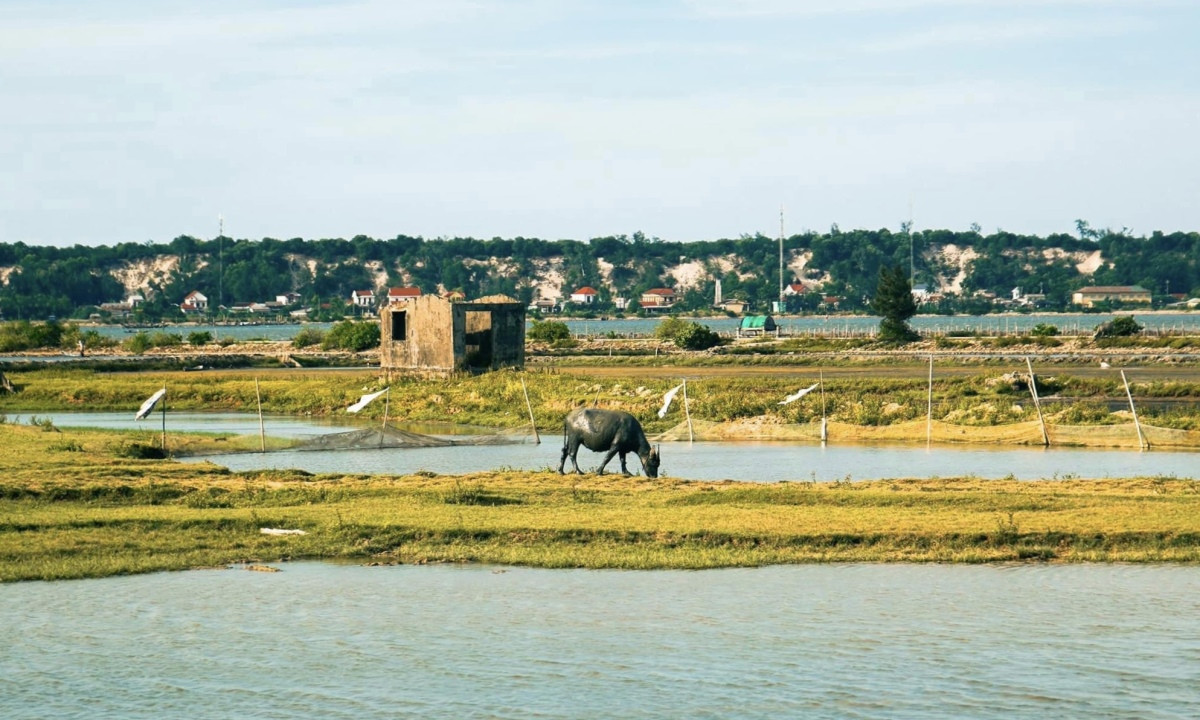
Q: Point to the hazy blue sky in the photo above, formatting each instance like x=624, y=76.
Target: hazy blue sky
x=685, y=119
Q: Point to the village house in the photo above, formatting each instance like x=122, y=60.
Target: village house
x=657, y=299
x=194, y=302
x=920, y=293
x=433, y=335
x=792, y=289
x=543, y=305
x=286, y=299
x=584, y=296
x=1089, y=296
x=362, y=298
x=734, y=305
x=403, y=294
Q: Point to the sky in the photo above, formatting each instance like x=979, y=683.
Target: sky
x=126, y=121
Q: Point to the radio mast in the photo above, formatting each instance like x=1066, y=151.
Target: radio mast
x=781, y=303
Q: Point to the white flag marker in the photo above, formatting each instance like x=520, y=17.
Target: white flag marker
x=668, y=398
x=364, y=401
x=798, y=394
x=148, y=406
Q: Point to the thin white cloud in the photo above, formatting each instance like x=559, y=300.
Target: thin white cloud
x=803, y=8
x=1007, y=32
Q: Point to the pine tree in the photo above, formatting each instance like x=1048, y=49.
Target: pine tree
x=894, y=303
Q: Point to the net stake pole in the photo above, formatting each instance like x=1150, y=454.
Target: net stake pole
x=1142, y=444
x=537, y=440
x=824, y=430
x=262, y=433
x=1037, y=403
x=164, y=421
x=387, y=397
x=687, y=412
x=929, y=407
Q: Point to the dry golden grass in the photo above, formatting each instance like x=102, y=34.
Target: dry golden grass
x=72, y=506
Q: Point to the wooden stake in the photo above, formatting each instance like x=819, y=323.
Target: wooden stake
x=687, y=413
x=164, y=420
x=262, y=434
x=537, y=440
x=824, y=430
x=1037, y=403
x=929, y=407
x=1142, y=444
x=387, y=397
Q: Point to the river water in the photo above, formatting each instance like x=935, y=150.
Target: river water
x=828, y=641
x=751, y=461
x=796, y=325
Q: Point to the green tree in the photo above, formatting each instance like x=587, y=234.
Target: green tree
x=894, y=304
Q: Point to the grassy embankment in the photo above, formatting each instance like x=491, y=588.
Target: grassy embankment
x=74, y=504
x=983, y=397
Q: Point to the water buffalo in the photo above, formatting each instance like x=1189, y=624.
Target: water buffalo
x=609, y=431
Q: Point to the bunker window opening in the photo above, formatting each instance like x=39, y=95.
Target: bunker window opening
x=399, y=325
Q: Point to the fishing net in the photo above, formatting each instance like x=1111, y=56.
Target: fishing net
x=391, y=437
x=1120, y=435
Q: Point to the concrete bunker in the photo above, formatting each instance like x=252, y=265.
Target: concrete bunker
x=434, y=335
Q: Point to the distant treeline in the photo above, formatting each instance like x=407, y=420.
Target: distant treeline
x=74, y=281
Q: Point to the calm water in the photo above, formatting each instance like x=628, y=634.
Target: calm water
x=1067, y=322
x=843, y=641
x=754, y=461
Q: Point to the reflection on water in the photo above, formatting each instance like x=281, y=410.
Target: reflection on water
x=860, y=641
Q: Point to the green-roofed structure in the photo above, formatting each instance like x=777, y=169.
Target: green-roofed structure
x=756, y=325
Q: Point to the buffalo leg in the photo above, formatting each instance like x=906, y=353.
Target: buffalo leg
x=608, y=456
x=624, y=469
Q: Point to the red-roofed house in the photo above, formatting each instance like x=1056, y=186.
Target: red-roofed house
x=403, y=294
x=585, y=295
x=362, y=298
x=194, y=302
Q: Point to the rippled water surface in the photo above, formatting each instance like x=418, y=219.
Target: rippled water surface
x=756, y=461
x=848, y=641
x=752, y=461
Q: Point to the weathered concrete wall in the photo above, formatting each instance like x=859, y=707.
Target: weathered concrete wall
x=441, y=336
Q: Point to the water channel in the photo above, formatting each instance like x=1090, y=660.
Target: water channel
x=822, y=641
x=750, y=461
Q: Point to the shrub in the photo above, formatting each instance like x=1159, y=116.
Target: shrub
x=138, y=344
x=200, y=337
x=670, y=328
x=307, y=337
x=353, y=336
x=1120, y=326
x=695, y=336
x=548, y=331
x=1044, y=330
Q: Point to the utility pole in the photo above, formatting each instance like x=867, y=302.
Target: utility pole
x=781, y=302
x=220, y=262
x=912, y=266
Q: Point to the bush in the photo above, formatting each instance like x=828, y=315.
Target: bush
x=307, y=337
x=138, y=344
x=670, y=328
x=549, y=331
x=1044, y=330
x=353, y=336
x=695, y=336
x=200, y=337
x=1120, y=326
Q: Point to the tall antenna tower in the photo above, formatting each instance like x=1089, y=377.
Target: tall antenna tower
x=220, y=261
x=781, y=304
x=912, y=265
